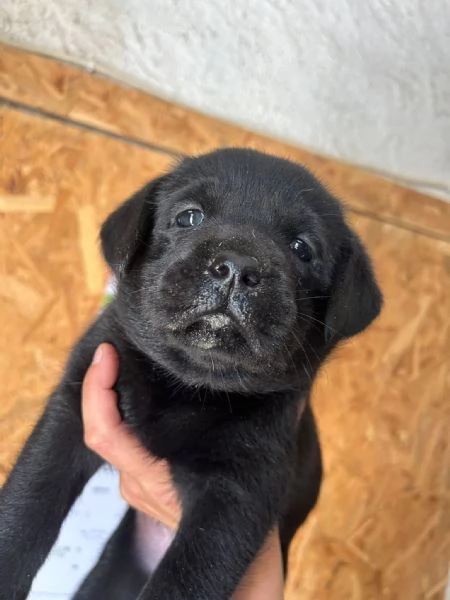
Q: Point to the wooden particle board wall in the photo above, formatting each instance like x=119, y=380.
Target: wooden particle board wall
x=72, y=147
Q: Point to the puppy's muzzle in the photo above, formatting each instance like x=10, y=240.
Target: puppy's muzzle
x=236, y=271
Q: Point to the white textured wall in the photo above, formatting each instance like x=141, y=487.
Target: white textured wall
x=364, y=80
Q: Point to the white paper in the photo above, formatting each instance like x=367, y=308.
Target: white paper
x=89, y=525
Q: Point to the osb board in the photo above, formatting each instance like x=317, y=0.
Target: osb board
x=78, y=95
x=56, y=186
x=381, y=529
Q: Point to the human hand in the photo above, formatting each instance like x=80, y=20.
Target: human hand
x=145, y=482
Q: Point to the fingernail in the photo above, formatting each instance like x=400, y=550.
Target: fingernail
x=97, y=356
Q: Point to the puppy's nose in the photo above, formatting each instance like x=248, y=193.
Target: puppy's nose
x=233, y=268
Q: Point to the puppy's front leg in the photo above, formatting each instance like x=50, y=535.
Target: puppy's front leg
x=217, y=540
x=48, y=476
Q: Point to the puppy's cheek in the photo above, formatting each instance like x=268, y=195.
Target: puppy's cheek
x=178, y=278
x=159, y=248
x=275, y=313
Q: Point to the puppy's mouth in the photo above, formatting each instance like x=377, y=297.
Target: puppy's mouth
x=212, y=331
x=218, y=331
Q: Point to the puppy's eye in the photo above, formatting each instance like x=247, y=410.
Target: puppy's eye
x=190, y=218
x=302, y=249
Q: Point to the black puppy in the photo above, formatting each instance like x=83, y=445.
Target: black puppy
x=237, y=275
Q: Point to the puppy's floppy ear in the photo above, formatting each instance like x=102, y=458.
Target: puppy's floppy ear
x=128, y=227
x=355, y=299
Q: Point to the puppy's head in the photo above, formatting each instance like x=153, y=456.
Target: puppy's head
x=238, y=271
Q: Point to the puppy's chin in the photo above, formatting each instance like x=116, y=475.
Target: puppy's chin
x=214, y=351
x=214, y=369
x=213, y=332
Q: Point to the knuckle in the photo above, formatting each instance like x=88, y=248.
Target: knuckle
x=128, y=489
x=124, y=491
x=96, y=440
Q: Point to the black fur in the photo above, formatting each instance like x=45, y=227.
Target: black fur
x=218, y=399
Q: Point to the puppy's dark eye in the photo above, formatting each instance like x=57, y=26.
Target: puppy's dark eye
x=190, y=218
x=302, y=249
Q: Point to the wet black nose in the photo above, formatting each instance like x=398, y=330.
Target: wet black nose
x=237, y=269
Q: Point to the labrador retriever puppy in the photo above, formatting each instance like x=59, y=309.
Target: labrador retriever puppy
x=237, y=275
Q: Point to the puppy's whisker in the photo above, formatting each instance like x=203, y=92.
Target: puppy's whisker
x=337, y=215
x=212, y=361
x=315, y=326
x=133, y=292
x=310, y=318
x=229, y=403
x=203, y=400
x=312, y=349
x=310, y=375
x=291, y=357
x=311, y=297
x=241, y=381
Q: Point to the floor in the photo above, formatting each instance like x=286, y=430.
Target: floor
x=73, y=146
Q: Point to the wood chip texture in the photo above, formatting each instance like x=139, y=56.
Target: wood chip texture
x=382, y=527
